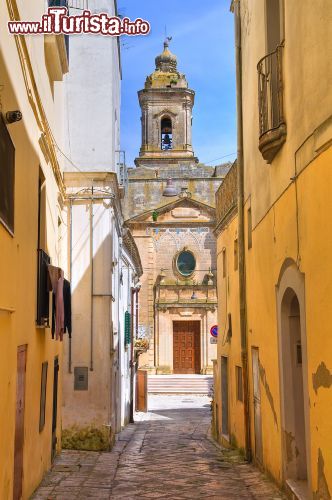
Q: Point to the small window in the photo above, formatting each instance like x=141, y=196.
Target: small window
x=236, y=256
x=7, y=177
x=186, y=263
x=166, y=134
x=224, y=263
x=239, y=383
x=43, y=396
x=249, y=228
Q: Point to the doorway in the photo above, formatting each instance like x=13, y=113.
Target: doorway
x=55, y=406
x=19, y=421
x=187, y=347
x=224, y=397
x=257, y=405
x=295, y=450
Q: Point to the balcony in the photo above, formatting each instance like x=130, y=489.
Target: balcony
x=226, y=198
x=272, y=126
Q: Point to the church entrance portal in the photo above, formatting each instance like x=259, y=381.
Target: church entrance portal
x=186, y=347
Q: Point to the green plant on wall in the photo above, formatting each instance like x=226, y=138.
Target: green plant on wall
x=155, y=216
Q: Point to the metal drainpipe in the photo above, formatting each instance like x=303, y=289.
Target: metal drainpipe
x=241, y=241
x=137, y=312
x=71, y=277
x=92, y=274
x=132, y=364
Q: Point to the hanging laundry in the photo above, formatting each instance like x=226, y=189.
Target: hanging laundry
x=56, y=285
x=67, y=307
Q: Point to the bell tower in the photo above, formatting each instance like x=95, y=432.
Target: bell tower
x=166, y=103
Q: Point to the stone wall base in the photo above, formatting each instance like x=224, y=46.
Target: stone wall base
x=88, y=438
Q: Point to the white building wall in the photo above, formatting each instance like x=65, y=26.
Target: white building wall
x=128, y=275
x=93, y=98
x=92, y=148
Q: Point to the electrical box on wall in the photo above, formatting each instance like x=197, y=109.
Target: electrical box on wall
x=81, y=378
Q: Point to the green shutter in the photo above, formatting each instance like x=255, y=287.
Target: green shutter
x=127, y=328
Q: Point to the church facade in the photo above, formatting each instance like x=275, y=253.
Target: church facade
x=170, y=210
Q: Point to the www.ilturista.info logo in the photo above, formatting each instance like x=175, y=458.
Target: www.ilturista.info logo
x=58, y=21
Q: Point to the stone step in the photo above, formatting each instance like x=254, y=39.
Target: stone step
x=177, y=384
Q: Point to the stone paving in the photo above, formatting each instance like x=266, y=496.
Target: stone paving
x=166, y=454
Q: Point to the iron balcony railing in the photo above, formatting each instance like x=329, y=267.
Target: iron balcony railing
x=226, y=196
x=270, y=91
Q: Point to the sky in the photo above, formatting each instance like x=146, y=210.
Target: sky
x=203, y=41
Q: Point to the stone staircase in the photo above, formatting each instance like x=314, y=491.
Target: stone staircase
x=180, y=384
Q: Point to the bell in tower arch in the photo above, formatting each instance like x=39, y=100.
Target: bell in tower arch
x=166, y=134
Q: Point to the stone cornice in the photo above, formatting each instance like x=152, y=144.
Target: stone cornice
x=131, y=247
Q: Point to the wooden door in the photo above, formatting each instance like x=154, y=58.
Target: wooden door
x=257, y=405
x=55, y=406
x=186, y=347
x=19, y=421
x=224, y=396
x=142, y=391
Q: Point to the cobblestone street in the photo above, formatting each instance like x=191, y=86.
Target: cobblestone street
x=167, y=454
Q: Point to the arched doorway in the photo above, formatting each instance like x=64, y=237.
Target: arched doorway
x=293, y=378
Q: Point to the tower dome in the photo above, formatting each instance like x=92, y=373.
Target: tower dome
x=166, y=61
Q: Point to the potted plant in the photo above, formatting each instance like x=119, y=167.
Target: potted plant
x=141, y=346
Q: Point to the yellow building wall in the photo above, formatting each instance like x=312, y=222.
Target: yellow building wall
x=228, y=303
x=274, y=240
x=18, y=260
x=291, y=221
x=18, y=290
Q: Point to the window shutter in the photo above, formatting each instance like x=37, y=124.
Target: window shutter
x=127, y=328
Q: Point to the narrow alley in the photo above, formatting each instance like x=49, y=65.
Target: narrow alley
x=167, y=453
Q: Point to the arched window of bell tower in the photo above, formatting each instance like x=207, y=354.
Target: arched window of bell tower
x=166, y=141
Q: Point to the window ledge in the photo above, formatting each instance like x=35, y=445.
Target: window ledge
x=271, y=142
x=56, y=57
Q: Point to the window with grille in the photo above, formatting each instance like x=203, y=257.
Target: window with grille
x=7, y=177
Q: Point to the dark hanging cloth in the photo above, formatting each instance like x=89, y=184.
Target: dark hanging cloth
x=56, y=285
x=67, y=306
x=53, y=274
